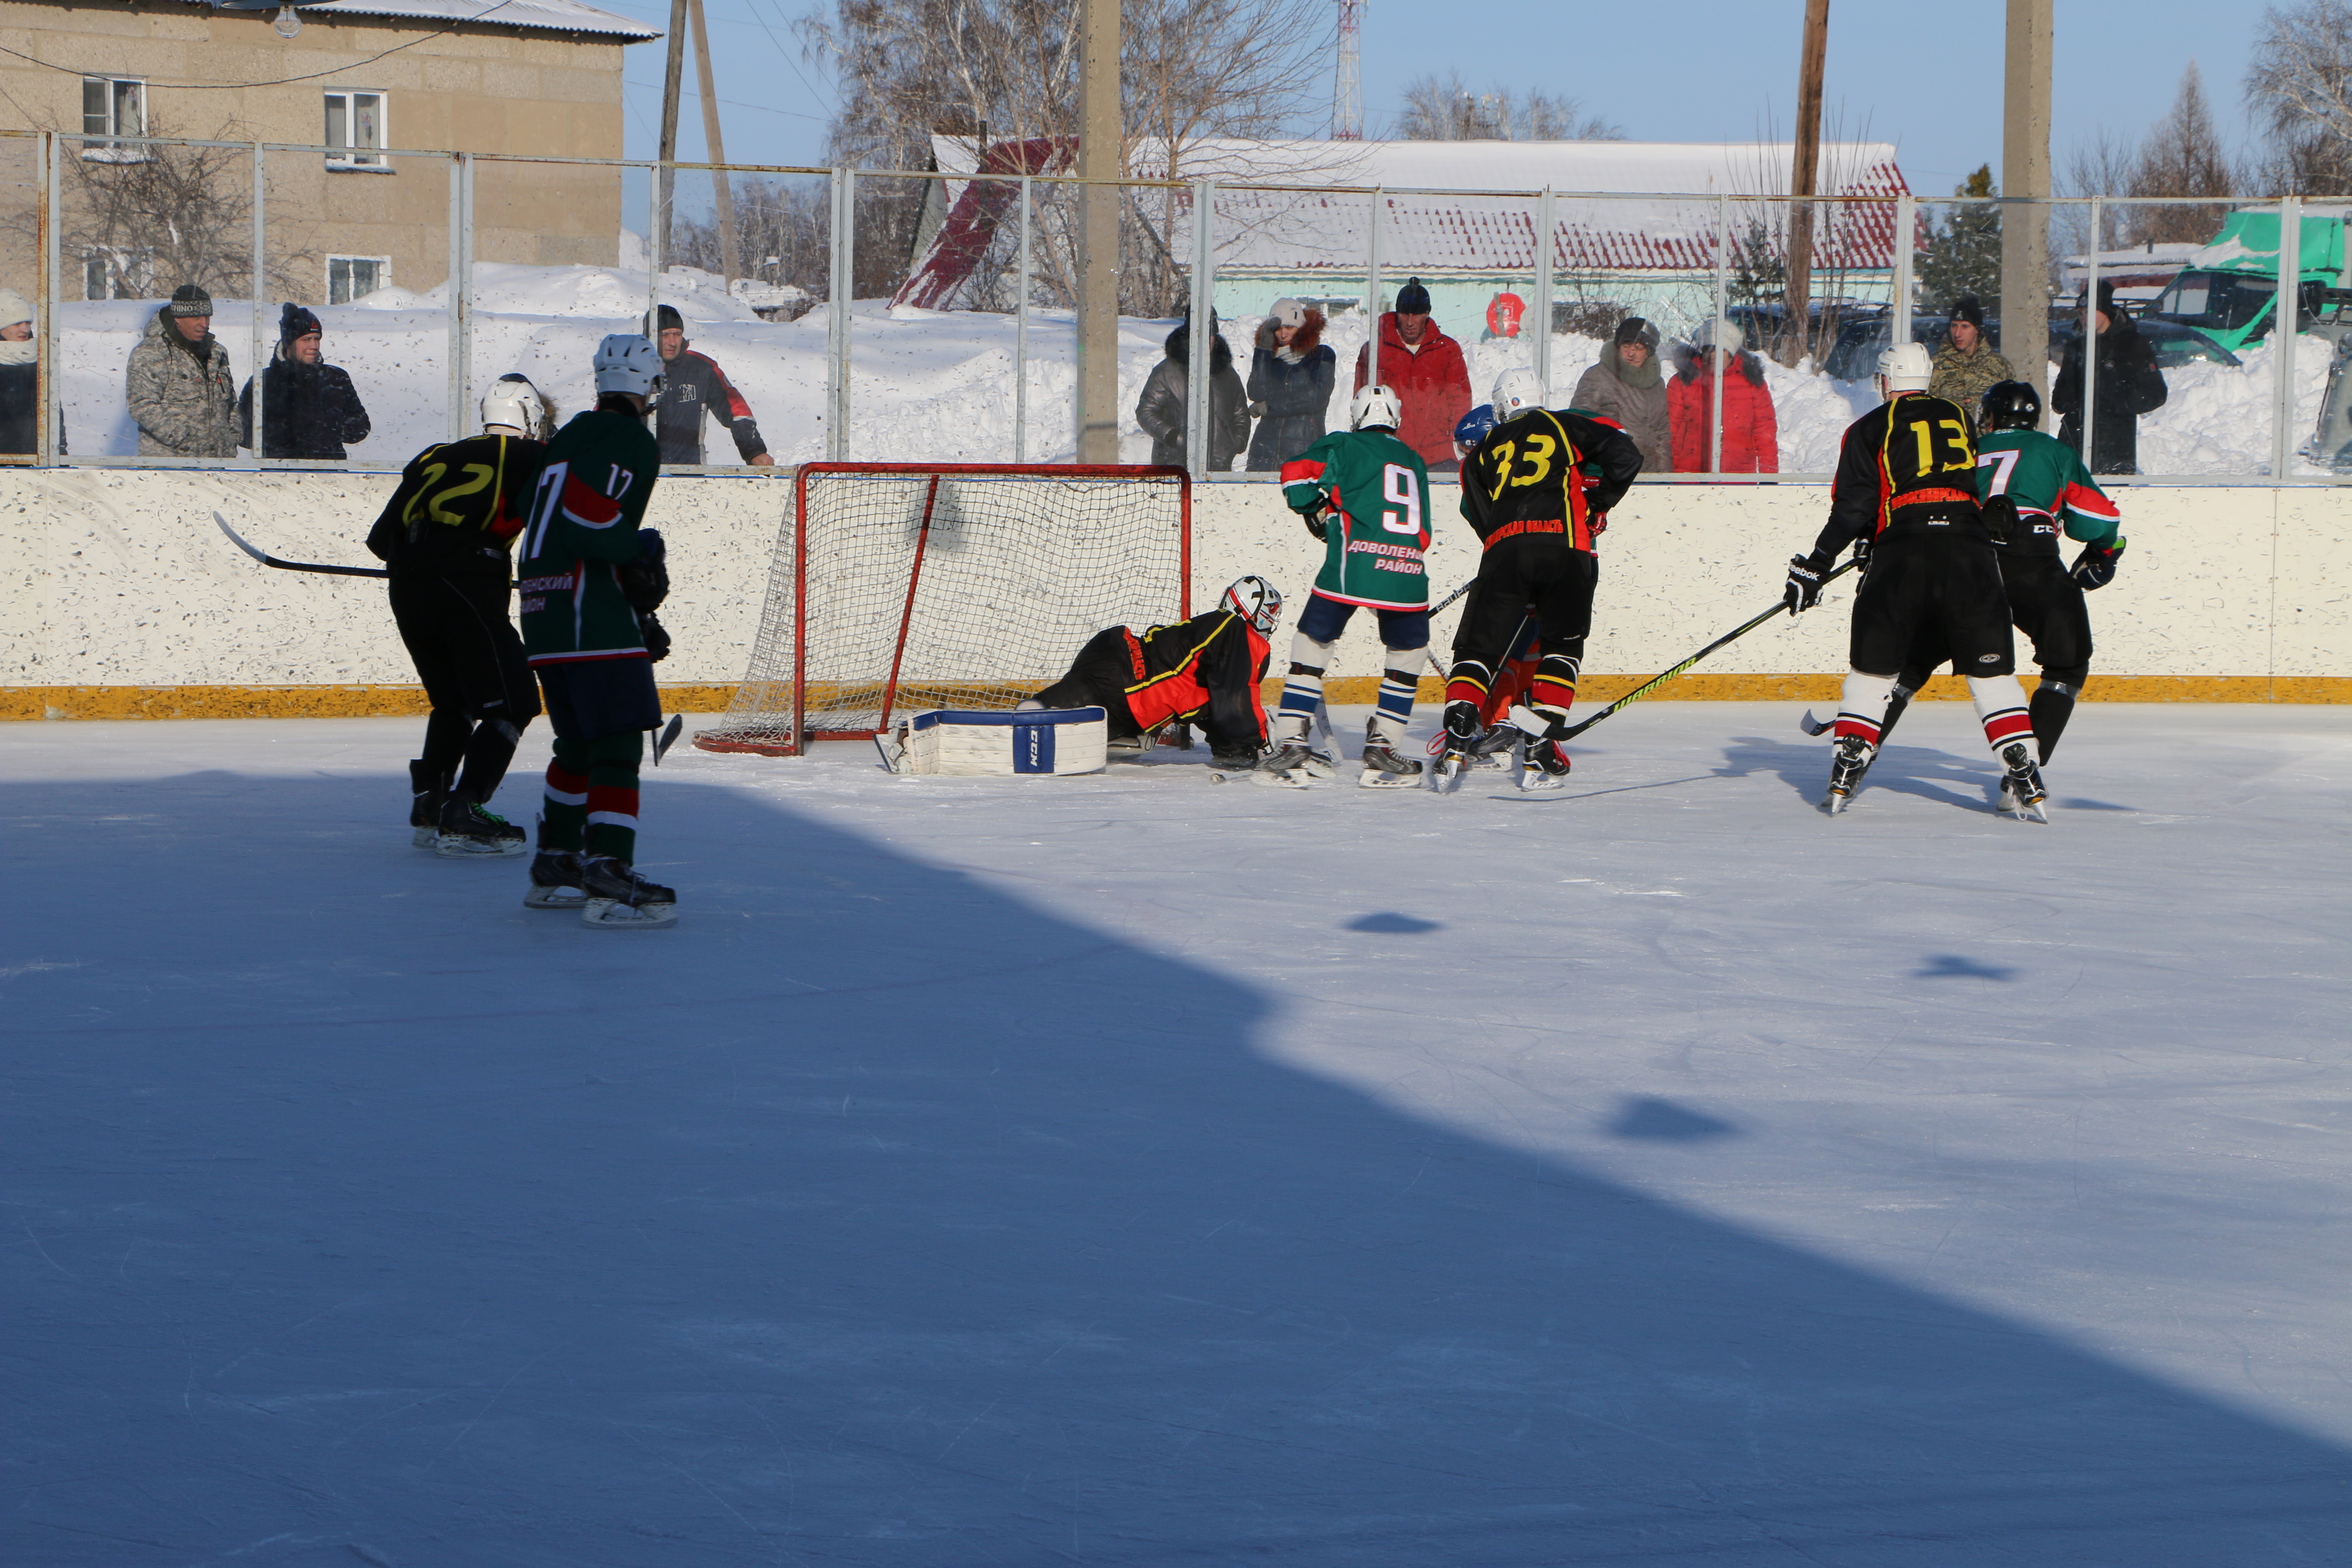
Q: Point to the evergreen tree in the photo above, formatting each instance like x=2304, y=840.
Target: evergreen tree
x=1963, y=254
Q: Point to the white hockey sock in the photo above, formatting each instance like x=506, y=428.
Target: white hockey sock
x=1862, y=708
x=1302, y=688
x=2002, y=710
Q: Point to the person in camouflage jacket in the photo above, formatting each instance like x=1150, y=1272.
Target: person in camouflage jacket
x=1967, y=366
x=179, y=385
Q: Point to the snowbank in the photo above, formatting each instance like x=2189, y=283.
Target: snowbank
x=929, y=385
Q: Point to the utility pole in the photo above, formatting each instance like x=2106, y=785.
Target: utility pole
x=1348, y=82
x=721, y=196
x=1804, y=181
x=657, y=245
x=1098, y=203
x=2025, y=173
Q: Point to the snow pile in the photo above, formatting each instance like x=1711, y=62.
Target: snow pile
x=929, y=385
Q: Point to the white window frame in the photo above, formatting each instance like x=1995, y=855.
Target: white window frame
x=351, y=157
x=136, y=269
x=382, y=280
x=111, y=151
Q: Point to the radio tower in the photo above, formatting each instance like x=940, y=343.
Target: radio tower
x=1348, y=90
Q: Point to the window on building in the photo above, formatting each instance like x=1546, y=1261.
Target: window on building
x=350, y=277
x=355, y=129
x=114, y=105
x=111, y=272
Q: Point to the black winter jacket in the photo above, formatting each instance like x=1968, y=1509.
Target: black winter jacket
x=694, y=388
x=1160, y=410
x=2129, y=384
x=307, y=410
x=1297, y=394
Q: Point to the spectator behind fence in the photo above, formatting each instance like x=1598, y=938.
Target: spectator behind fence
x=20, y=377
x=694, y=388
x=1967, y=367
x=1751, y=432
x=181, y=390
x=1628, y=384
x=1160, y=409
x=1290, y=382
x=1427, y=370
x=308, y=408
x=2129, y=386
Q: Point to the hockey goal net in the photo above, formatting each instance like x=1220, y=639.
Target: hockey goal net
x=899, y=587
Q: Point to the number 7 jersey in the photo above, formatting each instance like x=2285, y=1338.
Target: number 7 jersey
x=1379, y=490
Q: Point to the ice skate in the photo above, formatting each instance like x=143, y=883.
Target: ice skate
x=620, y=898
x=1455, y=745
x=1850, y=759
x=1547, y=767
x=470, y=830
x=2022, y=794
x=1493, y=750
x=1384, y=768
x=556, y=882
x=1295, y=764
x=425, y=795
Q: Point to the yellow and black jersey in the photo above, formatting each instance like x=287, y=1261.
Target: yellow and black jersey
x=1908, y=465
x=1546, y=473
x=459, y=505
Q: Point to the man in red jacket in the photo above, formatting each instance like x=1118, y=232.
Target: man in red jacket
x=1427, y=371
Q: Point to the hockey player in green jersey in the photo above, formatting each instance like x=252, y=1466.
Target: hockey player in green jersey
x=2035, y=488
x=590, y=579
x=1365, y=494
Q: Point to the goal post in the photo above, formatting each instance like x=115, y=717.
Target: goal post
x=898, y=587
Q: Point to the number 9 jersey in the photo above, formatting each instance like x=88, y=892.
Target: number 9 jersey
x=1379, y=489
x=1546, y=473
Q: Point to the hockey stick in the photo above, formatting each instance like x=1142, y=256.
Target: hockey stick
x=266, y=559
x=1555, y=731
x=668, y=737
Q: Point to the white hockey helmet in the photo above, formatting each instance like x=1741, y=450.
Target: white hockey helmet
x=1377, y=407
x=1905, y=367
x=1256, y=601
x=514, y=402
x=1518, y=391
x=625, y=361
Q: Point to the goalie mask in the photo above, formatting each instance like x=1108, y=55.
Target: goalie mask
x=1375, y=408
x=1256, y=601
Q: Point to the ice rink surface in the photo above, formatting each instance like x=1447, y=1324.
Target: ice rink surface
x=1127, y=1171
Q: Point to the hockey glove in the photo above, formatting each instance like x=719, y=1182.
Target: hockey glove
x=1597, y=524
x=2001, y=520
x=1317, y=519
x=644, y=582
x=2096, y=567
x=657, y=637
x=1805, y=574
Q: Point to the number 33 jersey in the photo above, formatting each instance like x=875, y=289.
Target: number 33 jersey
x=1907, y=467
x=1543, y=474
x=459, y=506
x=1378, y=491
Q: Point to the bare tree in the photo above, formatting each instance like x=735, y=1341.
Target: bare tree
x=781, y=230
x=1445, y=109
x=2299, y=89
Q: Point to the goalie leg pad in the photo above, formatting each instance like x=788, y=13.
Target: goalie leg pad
x=1023, y=742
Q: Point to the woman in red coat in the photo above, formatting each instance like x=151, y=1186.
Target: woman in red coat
x=1751, y=432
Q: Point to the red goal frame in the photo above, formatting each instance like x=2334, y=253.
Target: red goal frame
x=795, y=742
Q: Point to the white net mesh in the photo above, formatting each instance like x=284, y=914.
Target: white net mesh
x=948, y=587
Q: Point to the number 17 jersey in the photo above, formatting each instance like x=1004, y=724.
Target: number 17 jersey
x=1378, y=491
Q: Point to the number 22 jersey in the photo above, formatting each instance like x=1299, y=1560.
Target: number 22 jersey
x=1378, y=533
x=459, y=506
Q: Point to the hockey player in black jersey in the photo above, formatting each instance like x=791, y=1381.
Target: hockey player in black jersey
x=1538, y=489
x=446, y=535
x=1906, y=489
x=1204, y=671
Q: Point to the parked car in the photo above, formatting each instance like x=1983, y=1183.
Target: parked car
x=1855, y=356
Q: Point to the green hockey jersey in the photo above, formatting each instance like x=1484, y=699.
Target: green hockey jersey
x=1378, y=489
x=2047, y=481
x=584, y=515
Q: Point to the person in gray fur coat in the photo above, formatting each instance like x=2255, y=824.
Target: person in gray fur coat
x=179, y=385
x=1626, y=384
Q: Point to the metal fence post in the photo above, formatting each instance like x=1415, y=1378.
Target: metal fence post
x=1199, y=390
x=1543, y=293
x=2284, y=329
x=261, y=255
x=1722, y=319
x=1372, y=295
x=457, y=302
x=656, y=225
x=843, y=244
x=1906, y=229
x=1020, y=340
x=52, y=404
x=2088, y=336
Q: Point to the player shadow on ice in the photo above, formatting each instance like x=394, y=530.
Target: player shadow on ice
x=1930, y=773
x=1656, y=1120
x=1388, y=922
x=1952, y=966
x=876, y=1215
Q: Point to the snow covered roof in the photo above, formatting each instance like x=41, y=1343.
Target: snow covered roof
x=546, y=16
x=1631, y=206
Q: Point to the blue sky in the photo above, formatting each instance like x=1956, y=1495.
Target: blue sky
x=1926, y=78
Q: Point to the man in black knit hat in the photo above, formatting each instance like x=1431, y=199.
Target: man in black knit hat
x=694, y=388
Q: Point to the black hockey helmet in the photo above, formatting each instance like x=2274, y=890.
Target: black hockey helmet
x=2011, y=405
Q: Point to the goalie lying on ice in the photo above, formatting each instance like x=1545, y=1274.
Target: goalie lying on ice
x=1204, y=671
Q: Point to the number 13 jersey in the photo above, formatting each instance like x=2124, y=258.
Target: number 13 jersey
x=1907, y=467
x=1378, y=491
